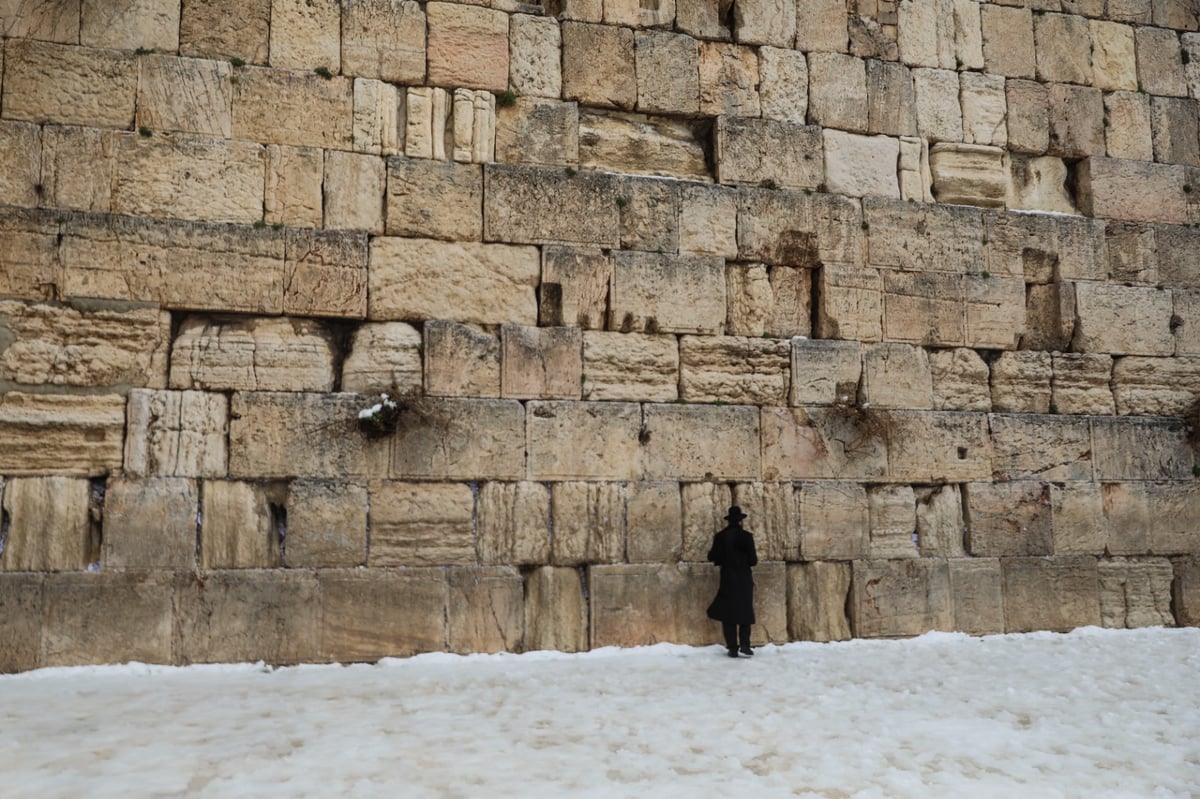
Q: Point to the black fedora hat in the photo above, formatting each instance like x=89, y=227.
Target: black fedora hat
x=735, y=514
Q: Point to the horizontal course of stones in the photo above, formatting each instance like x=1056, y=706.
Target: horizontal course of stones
x=622, y=265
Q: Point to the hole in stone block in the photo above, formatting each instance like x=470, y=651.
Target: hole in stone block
x=962, y=453
x=5, y=523
x=98, y=487
x=279, y=526
x=650, y=5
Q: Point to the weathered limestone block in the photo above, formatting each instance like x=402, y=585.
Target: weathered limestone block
x=890, y=598
x=977, y=594
x=653, y=522
x=940, y=526
x=1113, y=60
x=705, y=506
x=589, y=523
x=1008, y=519
x=1021, y=382
x=733, y=369
x=893, y=522
x=47, y=20
x=728, y=80
x=821, y=26
x=256, y=354
x=468, y=46
x=1175, y=139
x=574, y=287
x=1028, y=116
x=1176, y=249
x=925, y=32
x=46, y=82
x=1155, y=386
x=534, y=44
x=537, y=205
x=1039, y=184
x=176, y=434
x=793, y=228
x=583, y=440
x=541, y=362
x=486, y=610
x=1008, y=41
x=891, y=99
x=1123, y=320
x=1081, y=384
x=1130, y=448
x=1047, y=448
x=641, y=604
x=630, y=366
x=960, y=380
x=30, y=259
x=860, y=165
x=309, y=435
x=1055, y=594
x=60, y=434
x=834, y=521
x=1076, y=120
x=293, y=191
x=783, y=84
x=842, y=442
x=556, y=610
x=969, y=174
x=1127, y=133
x=354, y=189
x=434, y=200
x=702, y=19
x=1043, y=248
x=20, y=621
x=48, y=525
x=384, y=39
x=598, y=65
x=514, y=524
x=20, y=163
x=700, y=442
x=1080, y=522
x=825, y=371
x=1160, y=62
x=1186, y=324
x=768, y=152
x=939, y=113
x=78, y=168
x=466, y=282
x=838, y=91
x=1172, y=510
x=385, y=357
x=995, y=311
x=923, y=238
x=1132, y=190
x=376, y=117
x=538, y=131
x=225, y=29
x=667, y=293
x=649, y=216
x=1191, y=46
x=1135, y=593
x=421, y=524
x=708, y=220
x=106, y=618
x=306, y=34
x=425, y=114
x=985, y=109
x=1063, y=48
x=923, y=308
x=461, y=439
x=1049, y=316
x=938, y=446
x=748, y=298
x=185, y=94
x=668, y=77
x=634, y=143
x=816, y=597
x=1127, y=517
x=869, y=39
x=325, y=273
x=368, y=614
x=774, y=518
x=791, y=309
x=150, y=523
x=63, y=346
x=242, y=526
x=461, y=361
x=327, y=524
x=275, y=106
x=770, y=22
x=849, y=303
x=1185, y=592
x=896, y=376
x=635, y=15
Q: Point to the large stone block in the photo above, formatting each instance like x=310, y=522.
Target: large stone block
x=821, y=25
x=893, y=518
x=327, y=524
x=541, y=362
x=748, y=299
x=817, y=594
x=556, y=610
x=835, y=521
x=164, y=82
x=960, y=380
x=701, y=19
x=1063, y=48
x=1178, y=256
x=306, y=34
x=1079, y=517
x=1049, y=317
x=256, y=354
x=1170, y=526
x=630, y=367
x=78, y=168
x=940, y=522
x=611, y=141
x=1057, y=594
x=896, y=376
x=1076, y=120
x=891, y=598
x=1185, y=592
x=468, y=46
x=377, y=128
x=61, y=434
x=48, y=20
x=1127, y=133
x=939, y=112
x=421, y=524
x=891, y=99
x=995, y=311
x=1160, y=62
x=20, y=163
x=1008, y=519
x=486, y=610
x=790, y=311
x=923, y=238
x=461, y=439
x=1135, y=593
x=538, y=131
x=354, y=191
x=653, y=522
x=46, y=82
x=708, y=220
x=20, y=621
x=797, y=229
x=774, y=518
x=705, y=506
x=771, y=22
x=534, y=44
x=1008, y=41
x=1131, y=448
x=969, y=174
x=279, y=107
x=384, y=357
x=783, y=84
x=667, y=72
x=849, y=303
x=176, y=434
x=461, y=361
x=985, y=109
x=1027, y=446
x=837, y=91
x=1021, y=382
x=598, y=65
x=293, y=191
x=242, y=525
x=1039, y=184
x=48, y=525
x=514, y=524
x=1132, y=190
x=768, y=152
x=1082, y=384
x=976, y=591
x=923, y=308
x=665, y=293
x=1043, y=248
x=840, y=442
x=699, y=442
x=574, y=287
x=1155, y=386
x=650, y=215
x=384, y=39
x=938, y=446
x=728, y=80
x=376, y=613
x=225, y=29
x=861, y=165
x=589, y=523
x=584, y=440
x=1123, y=320
x=1028, y=116
x=109, y=617
x=733, y=369
x=325, y=273
x=536, y=205
x=1175, y=137
x=1114, y=65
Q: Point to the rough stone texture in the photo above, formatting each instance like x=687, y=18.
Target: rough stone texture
x=835, y=521
x=185, y=94
x=1080, y=522
x=940, y=525
x=634, y=143
x=1008, y=519
x=385, y=357
x=486, y=610
x=630, y=366
x=797, y=229
x=60, y=434
x=280, y=107
x=896, y=376
x=327, y=524
x=768, y=152
x=1155, y=386
x=46, y=82
x=1063, y=48
x=105, y=618
x=366, y=615
x=667, y=72
x=1021, y=382
x=598, y=65
x=48, y=525
x=960, y=380
x=325, y=273
x=653, y=522
x=78, y=167
x=791, y=302
x=860, y=165
x=891, y=99
x=556, y=610
x=923, y=308
x=841, y=442
x=939, y=113
x=694, y=442
x=1082, y=384
x=305, y=34
x=293, y=191
x=541, y=362
x=923, y=238
x=733, y=369
x=1039, y=184
x=704, y=508
x=770, y=22
x=261, y=354
x=589, y=523
x=837, y=91
x=821, y=25
x=434, y=200
x=816, y=597
x=977, y=595
x=708, y=220
x=1076, y=120
x=384, y=39
x=150, y=524
x=354, y=189
x=534, y=44
x=460, y=439
x=176, y=434
x=1044, y=248
x=421, y=524
x=850, y=303
x=1008, y=41
x=574, y=287
x=649, y=215
x=728, y=80
x=20, y=621
x=1056, y=594
x=891, y=598
x=535, y=205
x=1135, y=593
x=1129, y=448
x=538, y=131
x=225, y=29
x=893, y=532
x=468, y=46
x=514, y=524
x=242, y=525
x=774, y=512
x=748, y=299
x=969, y=174
x=1185, y=592
x=700, y=18
x=937, y=446
x=1175, y=137
x=783, y=86
x=984, y=108
x=1047, y=448
x=1160, y=62
x=1123, y=320
x=665, y=293
x=1127, y=132
x=48, y=20
x=583, y=441
x=1028, y=116
x=1132, y=190
x=824, y=371
x=1113, y=60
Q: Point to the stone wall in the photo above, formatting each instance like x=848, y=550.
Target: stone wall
x=916, y=284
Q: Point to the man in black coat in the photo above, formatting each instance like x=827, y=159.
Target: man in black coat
x=733, y=552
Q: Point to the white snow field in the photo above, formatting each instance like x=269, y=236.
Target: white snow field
x=1094, y=713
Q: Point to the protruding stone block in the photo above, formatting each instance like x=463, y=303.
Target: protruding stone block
x=860, y=165
x=969, y=174
x=538, y=205
x=48, y=524
x=694, y=442
x=960, y=380
x=1056, y=594
x=259, y=354
x=61, y=434
x=584, y=440
x=421, y=524
x=514, y=524
x=1082, y=384
x=1132, y=190
x=817, y=595
x=891, y=598
x=327, y=524
x=630, y=367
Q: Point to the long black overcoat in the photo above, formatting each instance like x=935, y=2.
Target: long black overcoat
x=733, y=552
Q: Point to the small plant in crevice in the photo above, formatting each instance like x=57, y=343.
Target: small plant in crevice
x=1053, y=409
x=379, y=419
x=622, y=202
x=985, y=274
x=145, y=131
x=570, y=171
x=1176, y=322
x=237, y=62
x=770, y=183
x=259, y=224
x=1196, y=471
x=323, y=72
x=142, y=51
x=1187, y=189
x=506, y=98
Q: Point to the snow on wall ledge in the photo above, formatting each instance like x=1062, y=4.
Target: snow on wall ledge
x=914, y=284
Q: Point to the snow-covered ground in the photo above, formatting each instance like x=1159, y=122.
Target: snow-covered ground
x=1095, y=713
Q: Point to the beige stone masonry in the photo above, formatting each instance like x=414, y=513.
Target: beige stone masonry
x=925, y=32
x=1175, y=138
x=1132, y=190
x=977, y=595
x=1191, y=46
x=774, y=517
x=923, y=308
x=1049, y=316
x=486, y=610
x=354, y=190
x=1135, y=593
x=589, y=523
x=891, y=99
x=514, y=524
x=630, y=367
x=896, y=376
x=78, y=168
x=1063, y=44
x=20, y=162
x=534, y=44
x=701, y=442
x=893, y=521
x=734, y=369
x=654, y=522
x=327, y=524
x=1114, y=64
x=540, y=362
x=838, y=91
x=1177, y=250
x=376, y=117
x=960, y=380
x=1043, y=248
x=105, y=618
x=1081, y=384
x=995, y=311
x=1056, y=594
x=598, y=65
x=48, y=20
x=583, y=440
x=461, y=439
x=415, y=279
x=432, y=200
x=226, y=29
x=420, y=524
x=940, y=522
x=1028, y=116
x=176, y=434
x=239, y=527
x=185, y=94
x=634, y=14
x=649, y=214
x=857, y=166
x=1132, y=253
x=255, y=354
x=770, y=22
x=668, y=75
x=299, y=108
x=359, y=618
x=1131, y=448
x=665, y=293
x=49, y=525
x=939, y=112
x=729, y=80
x=790, y=309
x=783, y=84
x=384, y=39
x=538, y=131
x=1076, y=120
x=816, y=596
x=385, y=357
x=424, y=118
x=1041, y=447
x=1123, y=320
x=325, y=273
x=938, y=446
x=20, y=620
x=1079, y=518
x=768, y=152
x=794, y=228
x=969, y=174
x=46, y=82
x=835, y=521
x=468, y=46
x=305, y=34
x=1127, y=132
x=536, y=205
x=556, y=610
x=821, y=25
x=574, y=287
x=935, y=238
x=985, y=109
x=616, y=142
x=890, y=598
x=748, y=299
x=292, y=195
x=704, y=508
x=642, y=604
x=150, y=524
x=1008, y=519
x=1021, y=382
x=1172, y=510
x=1039, y=184
x=61, y=434
x=461, y=361
x=708, y=218
x=701, y=20
x=1155, y=386
x=1008, y=41
x=1185, y=592
x=849, y=303
x=823, y=443
x=1160, y=62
